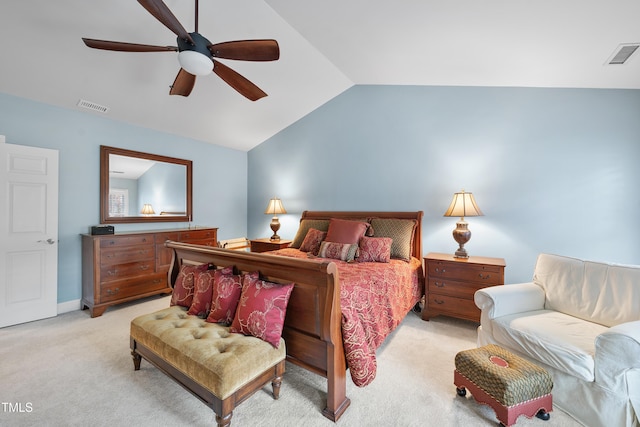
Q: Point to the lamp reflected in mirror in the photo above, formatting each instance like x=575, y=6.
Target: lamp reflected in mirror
x=147, y=210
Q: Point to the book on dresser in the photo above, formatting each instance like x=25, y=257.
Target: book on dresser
x=123, y=267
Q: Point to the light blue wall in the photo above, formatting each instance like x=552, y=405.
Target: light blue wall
x=217, y=200
x=553, y=170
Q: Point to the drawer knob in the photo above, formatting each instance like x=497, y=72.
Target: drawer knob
x=113, y=292
x=484, y=276
x=144, y=267
x=438, y=301
x=440, y=271
x=439, y=284
x=112, y=272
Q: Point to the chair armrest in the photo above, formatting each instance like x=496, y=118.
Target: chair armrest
x=498, y=301
x=617, y=360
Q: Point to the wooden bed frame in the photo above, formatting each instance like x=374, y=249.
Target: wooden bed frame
x=312, y=329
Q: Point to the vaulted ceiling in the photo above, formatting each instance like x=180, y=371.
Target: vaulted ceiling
x=326, y=46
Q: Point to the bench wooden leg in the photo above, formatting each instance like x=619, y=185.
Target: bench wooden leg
x=136, y=360
x=224, y=421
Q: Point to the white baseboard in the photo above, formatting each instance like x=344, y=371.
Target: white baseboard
x=67, y=306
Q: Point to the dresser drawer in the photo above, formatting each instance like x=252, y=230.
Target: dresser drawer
x=452, y=288
x=129, y=269
x=118, y=255
x=489, y=274
x=196, y=235
x=130, y=288
x=458, y=307
x=203, y=242
x=137, y=239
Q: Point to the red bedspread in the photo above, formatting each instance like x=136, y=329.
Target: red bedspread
x=374, y=299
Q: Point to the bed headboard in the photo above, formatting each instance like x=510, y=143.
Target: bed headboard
x=417, y=232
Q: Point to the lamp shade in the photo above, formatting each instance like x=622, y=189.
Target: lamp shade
x=463, y=204
x=275, y=207
x=147, y=209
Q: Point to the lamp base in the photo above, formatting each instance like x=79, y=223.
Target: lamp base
x=275, y=226
x=461, y=235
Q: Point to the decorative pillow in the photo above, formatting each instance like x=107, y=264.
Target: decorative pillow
x=346, y=231
x=203, y=289
x=400, y=231
x=341, y=251
x=375, y=249
x=305, y=225
x=227, y=288
x=311, y=242
x=262, y=308
x=183, y=288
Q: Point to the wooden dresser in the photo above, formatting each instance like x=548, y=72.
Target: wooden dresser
x=451, y=283
x=127, y=266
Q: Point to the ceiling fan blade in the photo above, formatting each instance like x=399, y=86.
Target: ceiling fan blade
x=183, y=84
x=162, y=13
x=126, y=47
x=239, y=83
x=247, y=50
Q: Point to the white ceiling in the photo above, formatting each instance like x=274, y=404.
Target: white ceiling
x=326, y=47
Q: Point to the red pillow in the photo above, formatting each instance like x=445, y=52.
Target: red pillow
x=346, y=231
x=202, y=290
x=312, y=240
x=227, y=288
x=262, y=308
x=183, y=288
x=375, y=249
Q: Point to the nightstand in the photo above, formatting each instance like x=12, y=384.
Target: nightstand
x=451, y=282
x=264, y=245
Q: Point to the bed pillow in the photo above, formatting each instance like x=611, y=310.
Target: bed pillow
x=227, y=288
x=262, y=309
x=183, y=288
x=341, y=251
x=346, y=231
x=202, y=291
x=400, y=231
x=305, y=225
x=312, y=241
x=375, y=249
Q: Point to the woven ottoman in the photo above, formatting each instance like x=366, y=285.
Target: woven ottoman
x=511, y=385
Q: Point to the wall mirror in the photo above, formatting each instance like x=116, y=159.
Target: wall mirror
x=143, y=187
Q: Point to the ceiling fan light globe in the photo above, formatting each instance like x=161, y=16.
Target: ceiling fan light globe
x=195, y=63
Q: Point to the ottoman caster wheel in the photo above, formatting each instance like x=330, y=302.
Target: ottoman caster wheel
x=461, y=391
x=543, y=415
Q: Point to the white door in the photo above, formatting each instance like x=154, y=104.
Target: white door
x=28, y=233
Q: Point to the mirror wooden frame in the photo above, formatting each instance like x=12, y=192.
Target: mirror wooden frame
x=105, y=152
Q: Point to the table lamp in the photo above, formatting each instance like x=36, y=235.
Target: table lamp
x=274, y=208
x=463, y=204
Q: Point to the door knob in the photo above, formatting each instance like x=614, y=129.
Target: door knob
x=48, y=241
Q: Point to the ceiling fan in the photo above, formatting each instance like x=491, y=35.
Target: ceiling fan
x=196, y=54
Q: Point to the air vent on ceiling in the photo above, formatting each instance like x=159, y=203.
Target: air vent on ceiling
x=93, y=106
x=622, y=53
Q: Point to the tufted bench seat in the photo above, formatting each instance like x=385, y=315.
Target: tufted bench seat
x=221, y=368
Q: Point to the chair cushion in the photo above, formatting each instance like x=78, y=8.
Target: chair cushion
x=561, y=341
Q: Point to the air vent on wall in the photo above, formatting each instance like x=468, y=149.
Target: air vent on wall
x=93, y=106
x=622, y=53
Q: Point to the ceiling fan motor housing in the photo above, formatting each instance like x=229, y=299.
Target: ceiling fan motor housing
x=195, y=58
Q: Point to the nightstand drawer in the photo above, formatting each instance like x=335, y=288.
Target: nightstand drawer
x=478, y=273
x=452, y=306
x=452, y=287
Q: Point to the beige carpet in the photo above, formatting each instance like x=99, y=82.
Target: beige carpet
x=76, y=371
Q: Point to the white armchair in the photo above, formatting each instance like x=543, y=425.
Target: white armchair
x=581, y=321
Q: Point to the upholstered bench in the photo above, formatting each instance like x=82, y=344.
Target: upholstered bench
x=221, y=368
x=511, y=385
